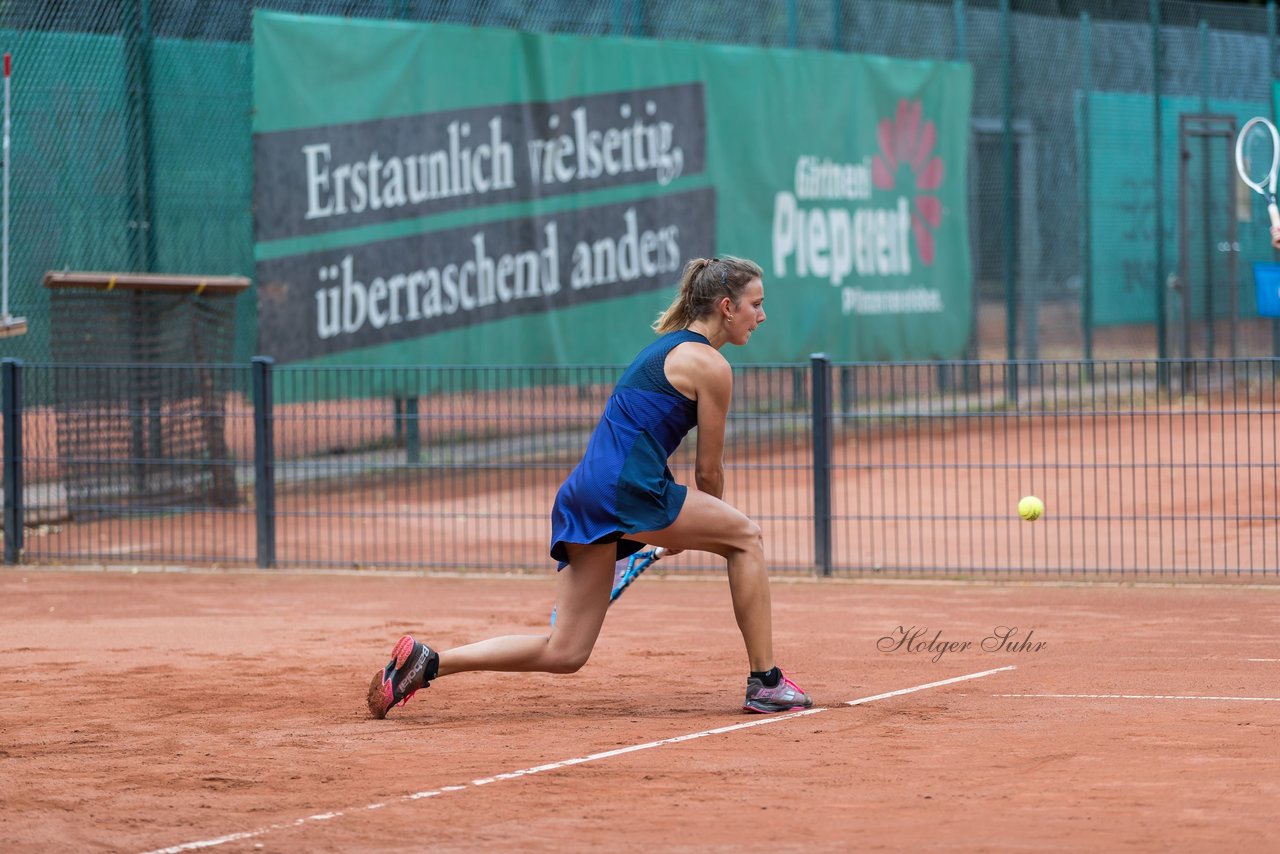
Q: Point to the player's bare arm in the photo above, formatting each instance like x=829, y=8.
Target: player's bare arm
x=714, y=394
x=703, y=375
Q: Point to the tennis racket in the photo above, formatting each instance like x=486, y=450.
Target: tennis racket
x=627, y=571
x=1257, y=156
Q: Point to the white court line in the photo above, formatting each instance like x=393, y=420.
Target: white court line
x=565, y=763
x=1141, y=697
x=1262, y=659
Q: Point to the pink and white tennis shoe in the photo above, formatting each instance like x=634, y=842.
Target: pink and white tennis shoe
x=412, y=667
x=786, y=697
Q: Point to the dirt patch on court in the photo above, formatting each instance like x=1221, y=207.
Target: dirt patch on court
x=185, y=707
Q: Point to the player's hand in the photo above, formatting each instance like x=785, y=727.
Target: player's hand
x=1275, y=237
x=669, y=552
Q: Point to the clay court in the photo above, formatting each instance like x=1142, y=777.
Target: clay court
x=1105, y=679
x=176, y=711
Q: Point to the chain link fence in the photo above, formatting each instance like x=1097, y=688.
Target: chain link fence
x=132, y=147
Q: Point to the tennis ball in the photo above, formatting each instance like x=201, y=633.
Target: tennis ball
x=1030, y=508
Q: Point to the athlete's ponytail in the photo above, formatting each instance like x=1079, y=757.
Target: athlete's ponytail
x=704, y=283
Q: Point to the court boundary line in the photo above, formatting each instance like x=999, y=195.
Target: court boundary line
x=1142, y=697
x=568, y=763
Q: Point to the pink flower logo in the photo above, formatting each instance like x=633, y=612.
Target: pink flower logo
x=903, y=140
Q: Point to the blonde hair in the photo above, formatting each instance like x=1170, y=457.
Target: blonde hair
x=704, y=283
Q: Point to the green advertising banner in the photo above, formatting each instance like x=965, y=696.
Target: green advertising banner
x=427, y=193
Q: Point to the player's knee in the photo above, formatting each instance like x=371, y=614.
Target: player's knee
x=568, y=664
x=567, y=661
x=749, y=538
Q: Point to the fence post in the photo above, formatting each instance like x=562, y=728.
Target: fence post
x=1157, y=168
x=412, y=434
x=820, y=369
x=848, y=389
x=12, y=404
x=1271, y=76
x=1010, y=201
x=138, y=133
x=1086, y=201
x=264, y=460
x=617, y=26
x=960, y=53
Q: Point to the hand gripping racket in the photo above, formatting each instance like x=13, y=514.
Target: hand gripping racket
x=1257, y=156
x=626, y=571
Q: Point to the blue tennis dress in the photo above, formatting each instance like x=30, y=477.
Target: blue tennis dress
x=623, y=484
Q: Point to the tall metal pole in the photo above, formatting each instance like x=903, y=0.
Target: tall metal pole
x=1271, y=77
x=637, y=18
x=4, y=266
x=971, y=347
x=1233, y=240
x=137, y=54
x=617, y=26
x=1162, y=322
x=1206, y=211
x=9, y=325
x=1086, y=201
x=1010, y=202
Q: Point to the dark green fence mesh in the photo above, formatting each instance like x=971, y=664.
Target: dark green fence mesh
x=132, y=146
x=150, y=437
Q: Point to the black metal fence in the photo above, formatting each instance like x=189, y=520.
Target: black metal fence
x=1147, y=468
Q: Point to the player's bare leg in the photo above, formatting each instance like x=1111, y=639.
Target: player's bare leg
x=582, y=600
x=708, y=524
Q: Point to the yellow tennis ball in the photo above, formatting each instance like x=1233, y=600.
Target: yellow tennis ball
x=1030, y=508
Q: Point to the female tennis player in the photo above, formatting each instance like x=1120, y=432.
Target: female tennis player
x=622, y=496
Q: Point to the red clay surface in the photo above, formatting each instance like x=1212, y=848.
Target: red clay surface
x=142, y=711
